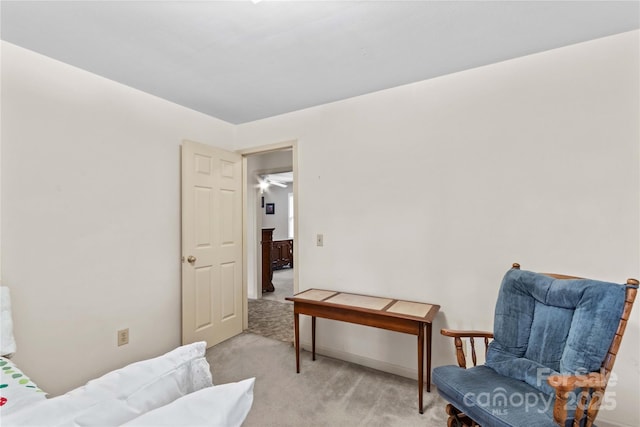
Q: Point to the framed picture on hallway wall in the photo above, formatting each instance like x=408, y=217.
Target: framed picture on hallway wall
x=270, y=209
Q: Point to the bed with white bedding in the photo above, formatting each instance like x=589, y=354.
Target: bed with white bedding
x=174, y=389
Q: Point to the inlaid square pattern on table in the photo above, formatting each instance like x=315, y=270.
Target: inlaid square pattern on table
x=390, y=305
x=362, y=301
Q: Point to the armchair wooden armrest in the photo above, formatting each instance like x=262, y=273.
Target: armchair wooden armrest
x=565, y=386
x=458, y=335
x=466, y=334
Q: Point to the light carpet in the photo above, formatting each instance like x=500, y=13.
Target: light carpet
x=327, y=392
x=283, y=285
x=272, y=319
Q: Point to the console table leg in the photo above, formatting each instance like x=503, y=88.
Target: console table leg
x=296, y=329
x=429, y=357
x=313, y=337
x=420, y=365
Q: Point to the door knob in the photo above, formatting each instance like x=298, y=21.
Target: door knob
x=191, y=259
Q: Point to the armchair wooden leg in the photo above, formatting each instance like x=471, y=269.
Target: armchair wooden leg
x=458, y=419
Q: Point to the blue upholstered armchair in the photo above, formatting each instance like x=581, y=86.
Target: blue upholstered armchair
x=554, y=343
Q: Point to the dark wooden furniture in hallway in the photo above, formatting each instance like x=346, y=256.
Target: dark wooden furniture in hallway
x=267, y=267
x=282, y=254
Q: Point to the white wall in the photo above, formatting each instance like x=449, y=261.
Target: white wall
x=280, y=219
x=90, y=216
x=430, y=191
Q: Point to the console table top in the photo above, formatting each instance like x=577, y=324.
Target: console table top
x=385, y=306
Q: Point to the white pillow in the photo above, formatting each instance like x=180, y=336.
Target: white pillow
x=16, y=389
x=225, y=405
x=7, y=341
x=124, y=394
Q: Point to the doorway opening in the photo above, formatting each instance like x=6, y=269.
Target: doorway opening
x=270, y=222
x=278, y=235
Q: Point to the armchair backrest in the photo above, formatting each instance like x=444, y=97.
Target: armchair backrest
x=550, y=324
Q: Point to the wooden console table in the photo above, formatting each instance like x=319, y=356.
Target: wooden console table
x=386, y=313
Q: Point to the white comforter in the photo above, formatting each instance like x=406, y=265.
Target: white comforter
x=171, y=390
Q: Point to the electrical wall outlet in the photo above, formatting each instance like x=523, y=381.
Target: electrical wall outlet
x=319, y=240
x=123, y=337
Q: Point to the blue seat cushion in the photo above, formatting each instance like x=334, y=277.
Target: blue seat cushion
x=492, y=399
x=545, y=326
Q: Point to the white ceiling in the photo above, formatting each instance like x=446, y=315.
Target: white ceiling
x=240, y=61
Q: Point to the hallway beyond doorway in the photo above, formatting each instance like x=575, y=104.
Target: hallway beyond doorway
x=283, y=284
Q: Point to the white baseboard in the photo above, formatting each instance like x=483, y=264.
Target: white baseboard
x=364, y=361
x=604, y=423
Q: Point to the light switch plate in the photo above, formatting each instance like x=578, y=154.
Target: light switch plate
x=123, y=337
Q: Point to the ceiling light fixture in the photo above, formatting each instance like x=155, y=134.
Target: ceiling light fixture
x=263, y=185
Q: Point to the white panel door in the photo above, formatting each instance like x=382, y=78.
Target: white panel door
x=211, y=244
